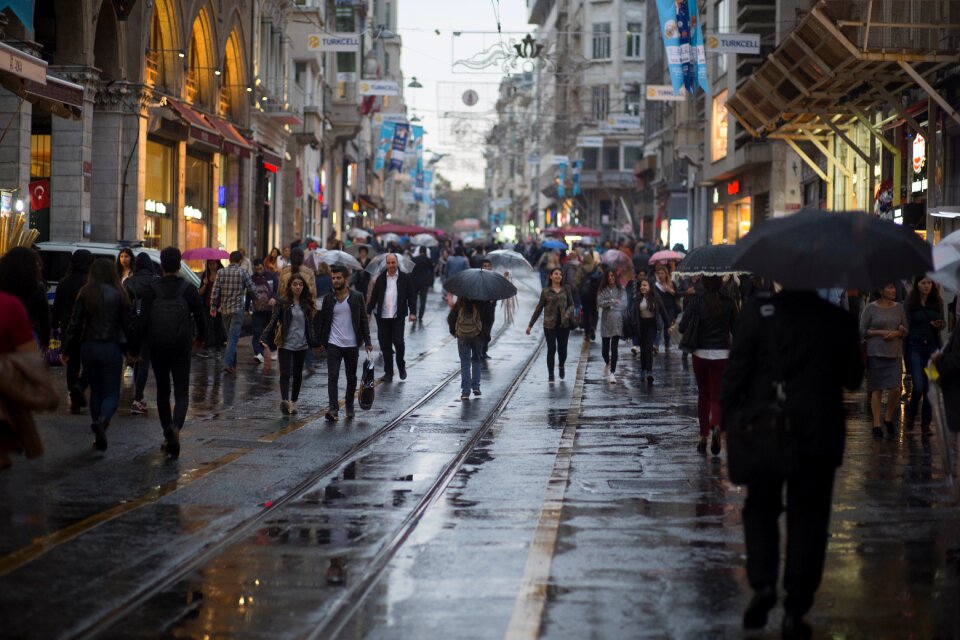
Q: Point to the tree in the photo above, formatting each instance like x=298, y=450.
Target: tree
x=457, y=204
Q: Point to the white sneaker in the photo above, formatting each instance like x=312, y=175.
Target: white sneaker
x=606, y=370
x=273, y=356
x=612, y=379
x=259, y=358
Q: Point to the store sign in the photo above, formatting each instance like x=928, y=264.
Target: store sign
x=622, y=121
x=919, y=186
x=344, y=42
x=733, y=43
x=590, y=141
x=733, y=187
x=664, y=92
x=23, y=64
x=379, y=88
x=560, y=159
x=346, y=76
x=155, y=207
x=192, y=213
x=919, y=153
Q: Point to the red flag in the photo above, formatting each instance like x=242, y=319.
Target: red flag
x=40, y=195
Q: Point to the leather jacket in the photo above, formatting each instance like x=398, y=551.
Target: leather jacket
x=361, y=326
x=282, y=313
x=110, y=323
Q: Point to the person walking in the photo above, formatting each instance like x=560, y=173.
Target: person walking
x=924, y=309
x=174, y=319
x=647, y=310
x=798, y=351
x=707, y=325
x=360, y=278
x=611, y=301
x=393, y=297
x=458, y=262
x=229, y=291
x=883, y=326
x=100, y=325
x=63, y=301
x=488, y=315
x=670, y=298
x=125, y=263
x=343, y=327
x=947, y=361
x=136, y=285
x=556, y=303
x=589, y=289
x=465, y=321
x=509, y=305
x=294, y=317
x=215, y=336
x=323, y=280
x=20, y=275
x=266, y=283
x=296, y=265
x=422, y=276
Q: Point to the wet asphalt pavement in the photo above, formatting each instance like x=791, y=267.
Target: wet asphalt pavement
x=573, y=510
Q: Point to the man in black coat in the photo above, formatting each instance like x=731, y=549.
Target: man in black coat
x=66, y=296
x=812, y=347
x=422, y=277
x=136, y=286
x=488, y=314
x=394, y=296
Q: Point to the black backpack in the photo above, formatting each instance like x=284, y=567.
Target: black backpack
x=169, y=326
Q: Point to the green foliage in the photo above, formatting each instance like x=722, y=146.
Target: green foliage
x=464, y=203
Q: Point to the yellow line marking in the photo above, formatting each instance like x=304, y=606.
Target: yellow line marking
x=40, y=546
x=527, y=617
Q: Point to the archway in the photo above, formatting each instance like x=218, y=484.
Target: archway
x=164, y=49
x=233, y=91
x=202, y=63
x=106, y=44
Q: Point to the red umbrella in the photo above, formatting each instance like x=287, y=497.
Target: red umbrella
x=205, y=253
x=574, y=231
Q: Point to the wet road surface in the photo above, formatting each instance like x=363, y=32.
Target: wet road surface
x=579, y=509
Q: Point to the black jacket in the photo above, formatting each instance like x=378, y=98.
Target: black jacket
x=948, y=364
x=67, y=290
x=169, y=285
x=406, y=295
x=361, y=327
x=713, y=329
x=138, y=284
x=815, y=351
x=284, y=309
x=110, y=323
x=422, y=272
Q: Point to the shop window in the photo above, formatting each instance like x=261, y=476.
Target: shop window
x=197, y=199
x=40, y=156
x=719, y=126
x=158, y=196
x=716, y=227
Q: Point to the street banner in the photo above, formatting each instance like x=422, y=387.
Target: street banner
x=560, y=159
x=590, y=141
x=664, y=93
x=733, y=43
x=697, y=50
x=341, y=42
x=387, y=131
x=562, y=174
x=577, y=166
x=399, y=147
x=683, y=42
x=379, y=88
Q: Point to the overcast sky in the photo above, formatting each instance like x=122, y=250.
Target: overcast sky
x=452, y=127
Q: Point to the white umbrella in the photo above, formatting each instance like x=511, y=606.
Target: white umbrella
x=506, y=259
x=341, y=258
x=424, y=240
x=387, y=238
x=379, y=264
x=946, y=263
x=355, y=233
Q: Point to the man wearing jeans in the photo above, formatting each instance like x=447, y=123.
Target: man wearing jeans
x=343, y=326
x=228, y=296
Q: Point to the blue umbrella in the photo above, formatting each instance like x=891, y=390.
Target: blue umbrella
x=554, y=244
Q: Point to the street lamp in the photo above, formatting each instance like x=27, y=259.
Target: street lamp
x=415, y=84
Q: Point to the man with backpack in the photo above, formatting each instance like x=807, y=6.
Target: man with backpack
x=166, y=309
x=265, y=285
x=466, y=323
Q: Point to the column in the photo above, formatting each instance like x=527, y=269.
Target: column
x=71, y=143
x=15, y=116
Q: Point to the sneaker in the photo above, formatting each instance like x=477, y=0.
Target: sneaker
x=229, y=369
x=402, y=370
x=350, y=413
x=387, y=378
x=285, y=407
x=294, y=409
x=612, y=379
x=259, y=358
x=330, y=416
x=550, y=380
x=139, y=408
x=606, y=370
x=273, y=356
x=464, y=396
x=634, y=350
x=561, y=372
x=100, y=435
x=476, y=392
x=715, y=441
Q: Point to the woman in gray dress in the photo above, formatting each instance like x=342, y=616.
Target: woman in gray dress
x=883, y=325
x=611, y=300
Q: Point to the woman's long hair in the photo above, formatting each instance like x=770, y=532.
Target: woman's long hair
x=129, y=252
x=306, y=298
x=933, y=299
x=711, y=294
x=20, y=273
x=605, y=281
x=102, y=273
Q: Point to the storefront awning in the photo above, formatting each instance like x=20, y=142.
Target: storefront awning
x=233, y=142
x=59, y=97
x=201, y=130
x=272, y=161
x=369, y=202
x=842, y=60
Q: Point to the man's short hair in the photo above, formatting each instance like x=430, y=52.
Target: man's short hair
x=486, y=261
x=236, y=257
x=257, y=262
x=339, y=268
x=170, y=260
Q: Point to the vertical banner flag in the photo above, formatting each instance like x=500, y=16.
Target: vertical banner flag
x=683, y=42
x=400, y=135
x=387, y=130
x=577, y=165
x=415, y=155
x=697, y=51
x=561, y=192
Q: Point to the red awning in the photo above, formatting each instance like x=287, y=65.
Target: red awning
x=573, y=231
x=233, y=142
x=270, y=157
x=201, y=129
x=59, y=97
x=401, y=229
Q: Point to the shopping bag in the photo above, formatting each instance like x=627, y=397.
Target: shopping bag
x=52, y=353
x=367, y=385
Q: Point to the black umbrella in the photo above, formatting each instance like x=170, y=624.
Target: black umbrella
x=477, y=284
x=818, y=249
x=711, y=260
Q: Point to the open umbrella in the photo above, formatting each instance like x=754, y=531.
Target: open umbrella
x=616, y=259
x=205, y=253
x=359, y=233
x=815, y=249
x=946, y=262
x=587, y=240
x=554, y=244
x=342, y=258
x=477, y=284
x=387, y=238
x=354, y=250
x=506, y=259
x=379, y=264
x=710, y=260
x=425, y=240
x=665, y=256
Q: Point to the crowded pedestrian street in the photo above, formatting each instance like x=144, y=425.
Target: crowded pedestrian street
x=578, y=509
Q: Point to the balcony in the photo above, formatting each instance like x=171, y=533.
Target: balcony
x=283, y=112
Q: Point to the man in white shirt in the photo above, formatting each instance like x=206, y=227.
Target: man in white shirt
x=393, y=297
x=343, y=327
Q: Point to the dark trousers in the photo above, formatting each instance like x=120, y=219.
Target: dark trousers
x=390, y=335
x=556, y=346
x=215, y=333
x=103, y=367
x=609, y=348
x=350, y=357
x=140, y=372
x=917, y=357
x=589, y=319
x=258, y=322
x=422, y=294
x=648, y=330
x=709, y=374
x=167, y=364
x=809, y=494
x=75, y=377
x=291, y=365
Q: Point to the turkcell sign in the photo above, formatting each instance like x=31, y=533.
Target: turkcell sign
x=590, y=141
x=664, y=92
x=560, y=159
x=344, y=42
x=733, y=43
x=621, y=121
x=379, y=88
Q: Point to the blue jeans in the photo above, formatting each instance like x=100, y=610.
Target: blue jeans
x=259, y=322
x=917, y=357
x=103, y=368
x=470, y=350
x=233, y=323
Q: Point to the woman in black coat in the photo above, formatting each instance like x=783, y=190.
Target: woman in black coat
x=647, y=308
x=63, y=301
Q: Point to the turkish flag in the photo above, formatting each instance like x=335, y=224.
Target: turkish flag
x=39, y=195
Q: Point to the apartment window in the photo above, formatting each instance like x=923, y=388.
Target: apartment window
x=600, y=104
x=386, y=14
x=601, y=41
x=611, y=158
x=721, y=19
x=300, y=74
x=591, y=158
x=719, y=126
x=634, y=40
x=631, y=102
x=632, y=154
x=345, y=19
x=386, y=64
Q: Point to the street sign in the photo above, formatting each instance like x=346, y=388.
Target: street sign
x=664, y=93
x=623, y=121
x=590, y=141
x=560, y=159
x=344, y=42
x=379, y=88
x=733, y=43
x=470, y=97
x=22, y=64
